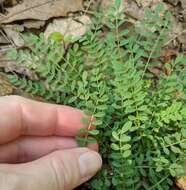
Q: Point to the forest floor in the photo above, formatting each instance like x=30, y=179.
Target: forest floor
x=72, y=17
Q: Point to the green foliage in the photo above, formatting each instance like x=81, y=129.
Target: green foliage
x=140, y=118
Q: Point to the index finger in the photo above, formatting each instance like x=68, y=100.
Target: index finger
x=20, y=116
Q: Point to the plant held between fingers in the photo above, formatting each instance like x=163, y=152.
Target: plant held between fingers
x=140, y=117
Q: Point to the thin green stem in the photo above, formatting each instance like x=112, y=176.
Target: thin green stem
x=152, y=52
x=175, y=143
x=159, y=182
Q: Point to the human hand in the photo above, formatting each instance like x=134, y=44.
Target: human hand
x=38, y=149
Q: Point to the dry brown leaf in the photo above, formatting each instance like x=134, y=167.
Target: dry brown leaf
x=5, y=87
x=41, y=10
x=181, y=183
x=37, y=24
x=12, y=66
x=173, y=2
x=183, y=2
x=13, y=34
x=10, y=2
x=69, y=26
x=3, y=40
x=144, y=3
x=2, y=1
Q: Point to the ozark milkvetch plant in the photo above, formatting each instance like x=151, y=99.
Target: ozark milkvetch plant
x=140, y=117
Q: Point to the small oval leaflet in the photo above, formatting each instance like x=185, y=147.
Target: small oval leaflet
x=127, y=127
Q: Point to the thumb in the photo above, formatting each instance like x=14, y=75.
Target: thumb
x=61, y=170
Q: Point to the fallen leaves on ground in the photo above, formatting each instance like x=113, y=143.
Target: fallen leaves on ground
x=69, y=26
x=41, y=10
x=5, y=87
x=13, y=34
x=181, y=183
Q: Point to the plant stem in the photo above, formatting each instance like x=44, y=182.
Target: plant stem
x=159, y=182
x=153, y=49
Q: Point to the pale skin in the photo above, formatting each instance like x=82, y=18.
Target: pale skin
x=38, y=149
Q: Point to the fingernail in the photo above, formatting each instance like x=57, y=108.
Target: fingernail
x=89, y=163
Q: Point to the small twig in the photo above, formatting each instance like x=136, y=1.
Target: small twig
x=151, y=54
x=167, y=43
x=9, y=40
x=89, y=4
x=4, y=60
x=6, y=49
x=89, y=12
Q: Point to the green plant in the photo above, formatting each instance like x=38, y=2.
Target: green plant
x=140, y=117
